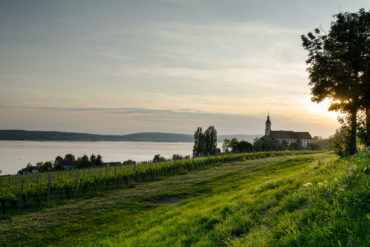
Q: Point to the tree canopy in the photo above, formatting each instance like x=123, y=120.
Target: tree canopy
x=339, y=66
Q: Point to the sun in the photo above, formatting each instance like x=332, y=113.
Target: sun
x=322, y=108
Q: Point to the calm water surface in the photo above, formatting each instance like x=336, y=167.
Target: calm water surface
x=15, y=155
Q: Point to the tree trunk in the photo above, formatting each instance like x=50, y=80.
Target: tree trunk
x=367, y=126
x=353, y=134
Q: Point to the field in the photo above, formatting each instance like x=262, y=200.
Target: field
x=306, y=200
x=22, y=192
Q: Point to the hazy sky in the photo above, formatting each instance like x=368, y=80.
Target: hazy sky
x=160, y=65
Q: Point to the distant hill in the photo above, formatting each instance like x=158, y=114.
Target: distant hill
x=25, y=135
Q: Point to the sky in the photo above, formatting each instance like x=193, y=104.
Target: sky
x=118, y=67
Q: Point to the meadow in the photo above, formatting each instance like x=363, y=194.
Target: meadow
x=21, y=192
x=308, y=200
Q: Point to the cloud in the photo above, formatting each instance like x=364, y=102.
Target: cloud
x=170, y=64
x=118, y=120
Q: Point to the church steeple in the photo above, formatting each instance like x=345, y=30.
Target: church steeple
x=268, y=125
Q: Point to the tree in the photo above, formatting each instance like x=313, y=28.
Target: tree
x=47, y=166
x=210, y=138
x=205, y=143
x=58, y=159
x=177, y=157
x=339, y=66
x=93, y=158
x=83, y=162
x=267, y=143
x=313, y=146
x=99, y=160
x=199, y=144
x=226, y=145
x=69, y=158
x=339, y=141
x=129, y=162
x=233, y=143
x=363, y=133
x=320, y=143
x=295, y=145
x=158, y=158
x=243, y=147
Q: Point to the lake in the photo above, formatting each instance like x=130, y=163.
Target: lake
x=15, y=155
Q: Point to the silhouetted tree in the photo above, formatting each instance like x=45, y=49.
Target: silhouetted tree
x=339, y=66
x=226, y=145
x=243, y=147
x=267, y=143
x=158, y=158
x=129, y=162
x=45, y=167
x=83, y=162
x=93, y=158
x=199, y=144
x=210, y=138
x=69, y=158
x=177, y=157
x=205, y=143
x=99, y=160
x=233, y=143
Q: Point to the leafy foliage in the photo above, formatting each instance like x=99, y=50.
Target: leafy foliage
x=267, y=143
x=205, y=143
x=339, y=66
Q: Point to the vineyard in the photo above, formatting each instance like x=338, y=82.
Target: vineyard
x=28, y=191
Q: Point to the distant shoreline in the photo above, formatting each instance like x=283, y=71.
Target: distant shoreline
x=3, y=140
x=45, y=136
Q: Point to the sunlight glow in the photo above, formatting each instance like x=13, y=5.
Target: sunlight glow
x=322, y=108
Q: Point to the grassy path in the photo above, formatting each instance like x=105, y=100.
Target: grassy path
x=234, y=204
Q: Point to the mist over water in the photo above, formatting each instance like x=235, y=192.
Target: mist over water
x=15, y=155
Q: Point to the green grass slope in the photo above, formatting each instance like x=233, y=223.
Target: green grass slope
x=310, y=200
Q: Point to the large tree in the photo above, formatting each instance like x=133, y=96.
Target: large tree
x=339, y=66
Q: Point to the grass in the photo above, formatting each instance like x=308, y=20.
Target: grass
x=311, y=200
x=36, y=191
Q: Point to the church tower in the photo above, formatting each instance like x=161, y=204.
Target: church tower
x=268, y=125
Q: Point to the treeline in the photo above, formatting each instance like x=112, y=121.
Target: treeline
x=205, y=143
x=267, y=143
x=68, y=162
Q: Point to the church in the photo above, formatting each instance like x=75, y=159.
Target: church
x=288, y=136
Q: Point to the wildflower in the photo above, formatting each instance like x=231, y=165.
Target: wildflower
x=320, y=184
x=307, y=184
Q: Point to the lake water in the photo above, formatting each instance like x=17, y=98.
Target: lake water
x=15, y=155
